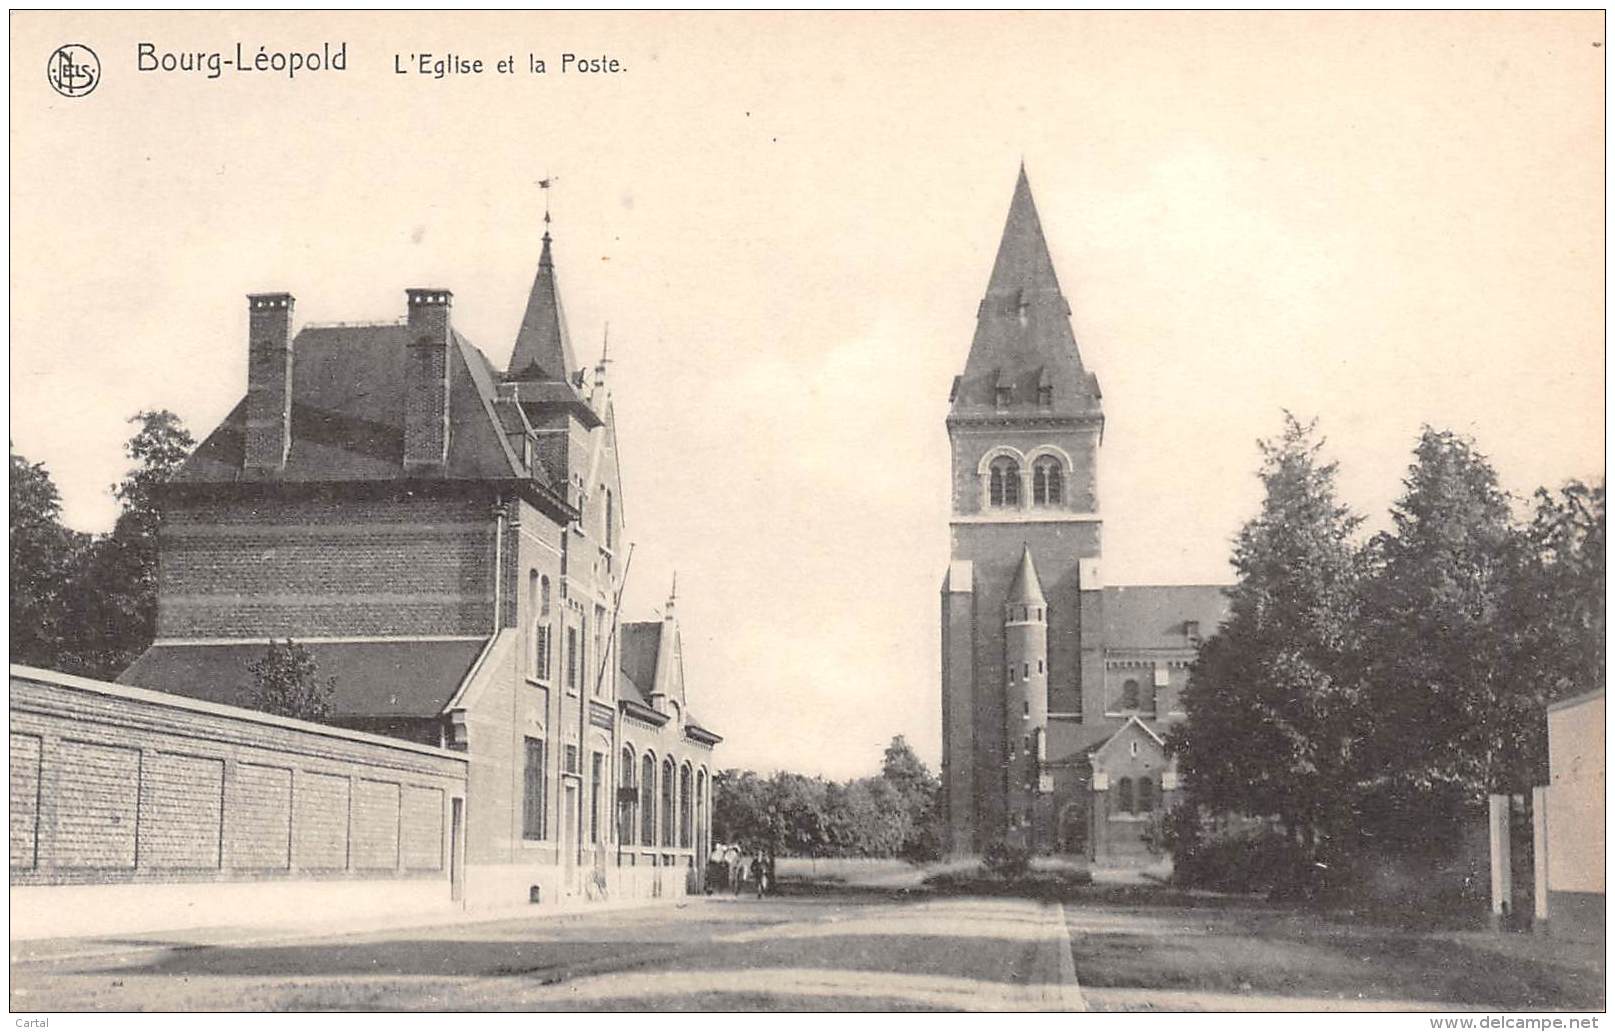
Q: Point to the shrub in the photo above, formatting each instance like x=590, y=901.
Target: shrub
x=1005, y=860
x=1246, y=858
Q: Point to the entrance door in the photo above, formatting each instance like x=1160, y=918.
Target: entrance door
x=456, y=839
x=569, y=837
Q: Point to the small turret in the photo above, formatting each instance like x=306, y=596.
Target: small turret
x=1026, y=693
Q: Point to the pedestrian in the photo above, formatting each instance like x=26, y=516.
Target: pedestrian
x=716, y=869
x=759, y=870
x=731, y=861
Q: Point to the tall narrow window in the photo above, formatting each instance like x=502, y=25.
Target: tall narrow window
x=1045, y=396
x=534, y=805
x=1130, y=694
x=597, y=777
x=1146, y=795
x=626, y=799
x=541, y=627
x=686, y=810
x=701, y=811
x=572, y=658
x=1124, y=795
x=1004, y=482
x=611, y=521
x=668, y=813
x=1048, y=487
x=647, y=801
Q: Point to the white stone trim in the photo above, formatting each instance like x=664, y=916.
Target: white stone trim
x=1044, y=515
x=335, y=640
x=1053, y=451
x=998, y=452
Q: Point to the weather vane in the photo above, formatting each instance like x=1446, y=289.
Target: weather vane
x=545, y=184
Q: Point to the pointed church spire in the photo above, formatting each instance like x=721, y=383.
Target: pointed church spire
x=1025, y=589
x=1023, y=264
x=1024, y=356
x=672, y=598
x=543, y=347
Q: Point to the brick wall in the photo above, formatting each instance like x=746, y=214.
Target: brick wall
x=118, y=784
x=325, y=567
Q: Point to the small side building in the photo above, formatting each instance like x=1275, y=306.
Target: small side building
x=1575, y=818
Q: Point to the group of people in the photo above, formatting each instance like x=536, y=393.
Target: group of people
x=731, y=868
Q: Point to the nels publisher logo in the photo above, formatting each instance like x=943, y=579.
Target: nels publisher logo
x=73, y=70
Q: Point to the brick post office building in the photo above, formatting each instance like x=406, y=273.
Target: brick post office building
x=448, y=542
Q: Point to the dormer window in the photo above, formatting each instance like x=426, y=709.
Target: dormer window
x=1191, y=631
x=1045, y=396
x=1001, y=396
x=1004, y=486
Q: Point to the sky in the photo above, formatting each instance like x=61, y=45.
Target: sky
x=1377, y=220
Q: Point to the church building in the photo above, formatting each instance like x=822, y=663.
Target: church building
x=1057, y=688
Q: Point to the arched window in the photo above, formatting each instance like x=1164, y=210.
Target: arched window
x=667, y=803
x=625, y=804
x=1124, y=795
x=1004, y=484
x=686, y=809
x=701, y=812
x=1048, y=487
x=539, y=606
x=647, y=800
x=1146, y=795
x=1129, y=694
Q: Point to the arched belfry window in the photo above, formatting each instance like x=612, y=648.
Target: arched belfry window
x=610, y=520
x=1004, y=485
x=1048, y=482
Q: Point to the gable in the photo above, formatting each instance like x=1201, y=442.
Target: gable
x=1120, y=744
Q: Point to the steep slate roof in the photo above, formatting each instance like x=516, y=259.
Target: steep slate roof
x=1025, y=589
x=1023, y=330
x=373, y=679
x=348, y=414
x=641, y=655
x=543, y=347
x=1152, y=616
x=641, y=642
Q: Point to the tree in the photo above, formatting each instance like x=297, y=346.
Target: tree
x=921, y=795
x=43, y=552
x=114, y=591
x=1559, y=603
x=1273, y=702
x=286, y=683
x=1450, y=716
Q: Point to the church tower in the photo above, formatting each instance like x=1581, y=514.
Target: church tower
x=1021, y=605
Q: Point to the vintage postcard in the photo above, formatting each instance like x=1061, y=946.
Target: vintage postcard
x=807, y=511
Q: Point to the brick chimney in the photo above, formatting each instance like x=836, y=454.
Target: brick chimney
x=269, y=381
x=426, y=388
